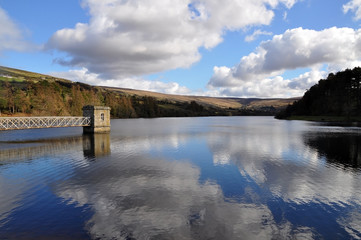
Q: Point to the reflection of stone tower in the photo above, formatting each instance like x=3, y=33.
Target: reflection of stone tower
x=96, y=145
x=100, y=119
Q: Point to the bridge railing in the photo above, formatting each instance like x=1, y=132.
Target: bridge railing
x=7, y=123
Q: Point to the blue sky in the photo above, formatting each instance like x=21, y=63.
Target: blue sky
x=238, y=48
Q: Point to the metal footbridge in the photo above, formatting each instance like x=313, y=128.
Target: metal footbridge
x=95, y=119
x=10, y=123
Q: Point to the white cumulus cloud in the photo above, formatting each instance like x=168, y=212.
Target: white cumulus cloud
x=260, y=72
x=255, y=35
x=271, y=87
x=353, y=6
x=138, y=37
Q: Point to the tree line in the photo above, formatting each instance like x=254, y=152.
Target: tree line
x=337, y=95
x=61, y=98
x=64, y=98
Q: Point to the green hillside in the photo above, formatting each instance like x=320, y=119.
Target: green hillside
x=32, y=94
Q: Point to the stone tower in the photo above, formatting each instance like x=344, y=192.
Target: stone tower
x=99, y=118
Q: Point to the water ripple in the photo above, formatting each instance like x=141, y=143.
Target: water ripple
x=194, y=178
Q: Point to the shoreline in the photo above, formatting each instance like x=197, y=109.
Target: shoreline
x=354, y=120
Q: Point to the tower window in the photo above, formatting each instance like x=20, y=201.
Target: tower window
x=102, y=116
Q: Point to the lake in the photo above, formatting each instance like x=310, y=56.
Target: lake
x=183, y=178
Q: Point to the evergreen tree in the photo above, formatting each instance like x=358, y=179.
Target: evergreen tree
x=338, y=95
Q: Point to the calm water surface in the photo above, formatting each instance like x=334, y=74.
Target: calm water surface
x=183, y=178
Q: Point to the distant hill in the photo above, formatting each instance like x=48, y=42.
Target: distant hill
x=28, y=93
x=336, y=98
x=222, y=102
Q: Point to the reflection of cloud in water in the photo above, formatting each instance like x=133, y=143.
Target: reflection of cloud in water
x=148, y=198
x=274, y=156
x=352, y=223
x=221, y=158
x=134, y=145
x=249, y=151
x=286, y=166
x=296, y=172
x=139, y=197
x=20, y=162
